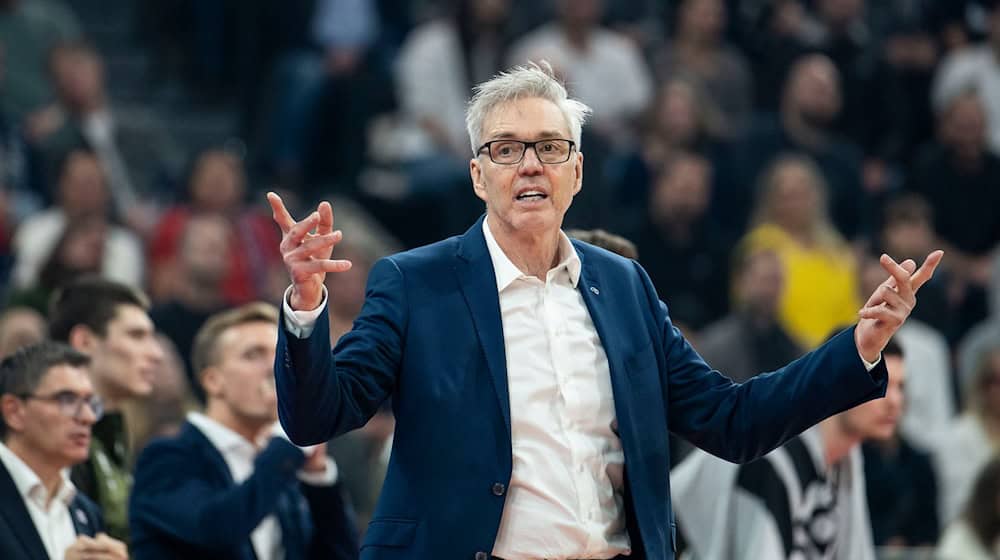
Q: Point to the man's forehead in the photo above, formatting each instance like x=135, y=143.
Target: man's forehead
x=65, y=377
x=249, y=334
x=530, y=117
x=131, y=315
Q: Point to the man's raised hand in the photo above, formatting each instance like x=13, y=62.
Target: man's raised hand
x=891, y=303
x=306, y=248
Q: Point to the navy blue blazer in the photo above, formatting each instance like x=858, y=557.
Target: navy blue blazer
x=430, y=336
x=184, y=504
x=18, y=536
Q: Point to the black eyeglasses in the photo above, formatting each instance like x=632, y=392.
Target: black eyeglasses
x=511, y=152
x=71, y=404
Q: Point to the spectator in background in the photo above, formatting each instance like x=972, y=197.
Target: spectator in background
x=20, y=184
x=80, y=251
x=134, y=150
x=791, y=219
x=929, y=380
x=970, y=440
x=698, y=50
x=771, y=37
x=108, y=322
x=976, y=535
x=161, y=413
x=20, y=327
x=958, y=176
x=340, y=82
x=975, y=68
x=677, y=234
x=217, y=186
x=750, y=340
x=28, y=30
x=198, y=290
x=230, y=485
x=600, y=238
x=810, y=102
x=680, y=119
x=601, y=67
x=805, y=499
x=81, y=194
x=48, y=408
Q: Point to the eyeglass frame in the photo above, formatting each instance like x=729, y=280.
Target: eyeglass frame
x=486, y=146
x=94, y=402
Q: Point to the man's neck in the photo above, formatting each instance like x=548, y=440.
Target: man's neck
x=218, y=411
x=111, y=397
x=801, y=131
x=49, y=474
x=837, y=442
x=534, y=255
x=200, y=296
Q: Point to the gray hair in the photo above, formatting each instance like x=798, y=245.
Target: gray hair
x=533, y=80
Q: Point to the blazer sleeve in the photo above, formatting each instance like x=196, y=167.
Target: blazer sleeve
x=740, y=422
x=336, y=531
x=174, y=495
x=322, y=394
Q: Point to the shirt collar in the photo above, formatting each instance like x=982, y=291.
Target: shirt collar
x=506, y=272
x=29, y=486
x=224, y=439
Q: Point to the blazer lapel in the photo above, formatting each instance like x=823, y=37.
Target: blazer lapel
x=479, y=287
x=15, y=513
x=208, y=451
x=599, y=298
x=82, y=523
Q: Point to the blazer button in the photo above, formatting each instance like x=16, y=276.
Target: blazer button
x=482, y=556
x=498, y=489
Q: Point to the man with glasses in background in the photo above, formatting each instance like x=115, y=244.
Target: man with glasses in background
x=48, y=407
x=109, y=322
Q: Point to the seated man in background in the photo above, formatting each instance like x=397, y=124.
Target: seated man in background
x=230, y=485
x=48, y=407
x=805, y=500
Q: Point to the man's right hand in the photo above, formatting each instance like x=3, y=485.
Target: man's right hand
x=307, y=255
x=101, y=547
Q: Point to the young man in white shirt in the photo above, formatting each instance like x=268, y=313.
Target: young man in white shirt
x=48, y=407
x=230, y=485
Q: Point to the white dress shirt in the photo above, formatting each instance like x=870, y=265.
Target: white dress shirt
x=239, y=454
x=52, y=520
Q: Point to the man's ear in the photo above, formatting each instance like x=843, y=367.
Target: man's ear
x=476, y=172
x=82, y=338
x=212, y=381
x=579, y=173
x=12, y=409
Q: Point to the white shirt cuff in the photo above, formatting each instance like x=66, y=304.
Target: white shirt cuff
x=870, y=365
x=324, y=478
x=301, y=323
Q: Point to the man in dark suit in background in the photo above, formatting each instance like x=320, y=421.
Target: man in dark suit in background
x=48, y=406
x=535, y=379
x=230, y=485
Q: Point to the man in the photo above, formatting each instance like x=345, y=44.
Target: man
x=532, y=415
x=750, y=340
x=229, y=486
x=48, y=406
x=806, y=500
x=108, y=322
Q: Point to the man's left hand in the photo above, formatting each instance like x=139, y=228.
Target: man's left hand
x=891, y=303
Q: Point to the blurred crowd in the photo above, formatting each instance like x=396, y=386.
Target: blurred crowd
x=758, y=154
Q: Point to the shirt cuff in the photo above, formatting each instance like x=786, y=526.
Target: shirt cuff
x=301, y=323
x=869, y=366
x=326, y=478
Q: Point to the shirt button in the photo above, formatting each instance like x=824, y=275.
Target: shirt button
x=482, y=556
x=498, y=489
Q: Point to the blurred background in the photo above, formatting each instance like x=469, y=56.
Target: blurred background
x=760, y=155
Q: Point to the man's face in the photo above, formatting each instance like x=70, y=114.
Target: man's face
x=42, y=426
x=877, y=419
x=127, y=357
x=503, y=187
x=815, y=91
x=683, y=192
x=243, y=374
x=82, y=187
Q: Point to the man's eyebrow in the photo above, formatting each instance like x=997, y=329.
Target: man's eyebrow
x=545, y=134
